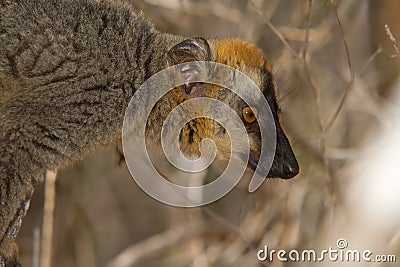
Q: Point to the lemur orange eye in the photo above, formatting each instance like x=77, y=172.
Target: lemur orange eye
x=249, y=114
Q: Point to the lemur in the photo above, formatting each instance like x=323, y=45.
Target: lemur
x=68, y=69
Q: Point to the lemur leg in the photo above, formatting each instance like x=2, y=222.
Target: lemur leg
x=9, y=250
x=15, y=195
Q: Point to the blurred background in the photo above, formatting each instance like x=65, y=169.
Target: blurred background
x=336, y=72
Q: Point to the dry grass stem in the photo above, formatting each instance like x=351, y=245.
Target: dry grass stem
x=137, y=252
x=317, y=97
x=393, y=40
x=351, y=81
x=36, y=248
x=48, y=218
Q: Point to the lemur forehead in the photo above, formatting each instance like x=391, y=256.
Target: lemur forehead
x=236, y=53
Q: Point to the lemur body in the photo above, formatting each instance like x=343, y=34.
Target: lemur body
x=68, y=70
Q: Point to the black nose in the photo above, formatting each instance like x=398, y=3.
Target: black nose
x=290, y=170
x=285, y=164
x=284, y=169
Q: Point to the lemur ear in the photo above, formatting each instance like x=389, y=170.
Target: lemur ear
x=193, y=49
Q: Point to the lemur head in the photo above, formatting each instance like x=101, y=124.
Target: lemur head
x=250, y=60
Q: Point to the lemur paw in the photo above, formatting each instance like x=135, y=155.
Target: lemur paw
x=9, y=253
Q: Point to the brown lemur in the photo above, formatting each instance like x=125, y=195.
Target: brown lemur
x=68, y=69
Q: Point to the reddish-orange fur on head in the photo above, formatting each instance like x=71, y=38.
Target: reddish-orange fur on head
x=236, y=52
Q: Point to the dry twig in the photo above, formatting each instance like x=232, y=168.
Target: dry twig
x=352, y=76
x=36, y=248
x=156, y=243
x=48, y=218
x=316, y=92
x=393, y=40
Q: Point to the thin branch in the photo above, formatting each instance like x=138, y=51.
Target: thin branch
x=323, y=145
x=344, y=38
x=317, y=97
x=377, y=52
x=393, y=40
x=48, y=218
x=329, y=125
x=36, y=248
x=307, y=32
x=349, y=86
x=282, y=38
x=156, y=243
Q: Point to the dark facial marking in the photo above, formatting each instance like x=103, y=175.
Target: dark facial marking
x=285, y=164
x=191, y=134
